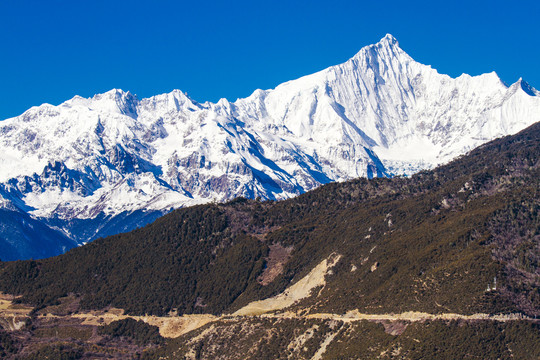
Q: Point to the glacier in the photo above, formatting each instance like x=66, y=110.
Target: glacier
x=92, y=167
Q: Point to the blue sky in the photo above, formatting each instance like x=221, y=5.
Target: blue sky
x=52, y=50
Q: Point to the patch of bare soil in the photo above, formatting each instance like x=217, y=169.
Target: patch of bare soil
x=293, y=293
x=277, y=258
x=394, y=327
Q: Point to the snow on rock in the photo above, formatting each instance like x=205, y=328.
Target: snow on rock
x=378, y=114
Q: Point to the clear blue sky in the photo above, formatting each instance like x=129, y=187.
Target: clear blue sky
x=52, y=50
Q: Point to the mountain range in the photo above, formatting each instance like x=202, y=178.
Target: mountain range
x=444, y=264
x=89, y=168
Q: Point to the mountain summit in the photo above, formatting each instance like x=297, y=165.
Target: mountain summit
x=93, y=167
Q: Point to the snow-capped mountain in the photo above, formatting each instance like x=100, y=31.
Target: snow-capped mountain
x=98, y=166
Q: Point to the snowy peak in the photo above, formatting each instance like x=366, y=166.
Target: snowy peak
x=388, y=44
x=521, y=87
x=174, y=101
x=386, y=50
x=116, y=101
x=113, y=101
x=389, y=39
x=528, y=89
